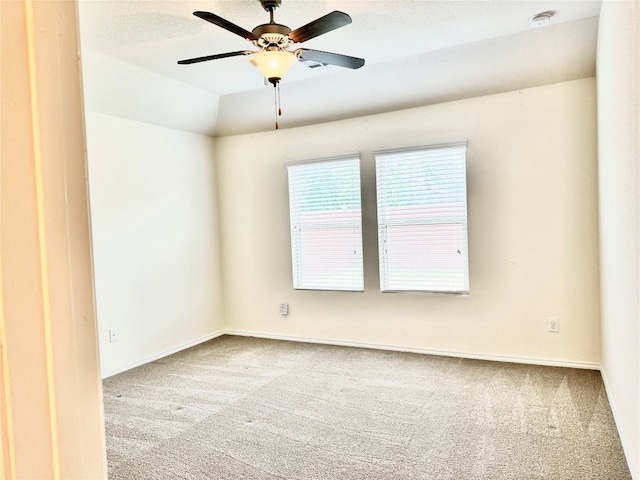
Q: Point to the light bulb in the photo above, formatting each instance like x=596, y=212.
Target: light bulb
x=273, y=64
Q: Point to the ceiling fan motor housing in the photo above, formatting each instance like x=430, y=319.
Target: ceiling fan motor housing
x=272, y=35
x=271, y=28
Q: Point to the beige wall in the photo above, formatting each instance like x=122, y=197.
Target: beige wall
x=51, y=405
x=154, y=218
x=619, y=179
x=533, y=237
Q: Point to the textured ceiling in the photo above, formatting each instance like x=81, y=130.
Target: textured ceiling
x=417, y=52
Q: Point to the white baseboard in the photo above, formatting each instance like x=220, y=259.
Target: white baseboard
x=635, y=475
x=142, y=361
x=427, y=351
x=348, y=343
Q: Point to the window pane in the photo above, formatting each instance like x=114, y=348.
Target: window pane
x=326, y=225
x=422, y=220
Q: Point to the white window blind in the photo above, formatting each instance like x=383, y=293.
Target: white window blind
x=326, y=224
x=422, y=219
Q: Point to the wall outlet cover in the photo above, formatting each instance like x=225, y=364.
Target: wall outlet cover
x=113, y=337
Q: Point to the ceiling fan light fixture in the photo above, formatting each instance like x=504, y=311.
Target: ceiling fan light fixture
x=273, y=64
x=273, y=58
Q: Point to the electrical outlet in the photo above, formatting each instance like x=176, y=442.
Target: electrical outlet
x=284, y=309
x=113, y=337
x=554, y=324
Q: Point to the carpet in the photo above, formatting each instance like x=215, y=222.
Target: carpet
x=248, y=408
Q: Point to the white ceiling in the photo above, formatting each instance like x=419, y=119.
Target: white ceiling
x=417, y=52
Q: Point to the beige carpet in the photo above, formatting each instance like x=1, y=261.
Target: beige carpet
x=246, y=408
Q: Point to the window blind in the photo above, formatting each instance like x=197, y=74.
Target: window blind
x=422, y=219
x=326, y=224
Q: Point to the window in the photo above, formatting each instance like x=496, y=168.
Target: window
x=326, y=224
x=422, y=219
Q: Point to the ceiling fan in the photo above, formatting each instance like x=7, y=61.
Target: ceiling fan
x=274, y=58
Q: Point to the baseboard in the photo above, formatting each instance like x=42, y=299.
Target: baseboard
x=635, y=474
x=427, y=351
x=142, y=361
x=348, y=343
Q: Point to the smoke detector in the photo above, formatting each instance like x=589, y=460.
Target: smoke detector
x=541, y=19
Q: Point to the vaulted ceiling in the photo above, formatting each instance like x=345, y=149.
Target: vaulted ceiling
x=417, y=52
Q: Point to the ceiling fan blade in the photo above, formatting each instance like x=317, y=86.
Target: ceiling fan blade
x=322, y=25
x=328, y=58
x=214, y=57
x=226, y=24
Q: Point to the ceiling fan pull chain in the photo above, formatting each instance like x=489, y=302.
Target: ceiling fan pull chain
x=279, y=102
x=276, y=95
x=275, y=101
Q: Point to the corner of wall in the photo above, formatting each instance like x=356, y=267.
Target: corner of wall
x=618, y=65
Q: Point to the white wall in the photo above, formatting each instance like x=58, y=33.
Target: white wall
x=619, y=178
x=532, y=229
x=155, y=236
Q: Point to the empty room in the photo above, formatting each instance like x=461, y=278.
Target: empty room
x=295, y=239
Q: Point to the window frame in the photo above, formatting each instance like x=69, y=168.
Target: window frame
x=295, y=235
x=386, y=286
